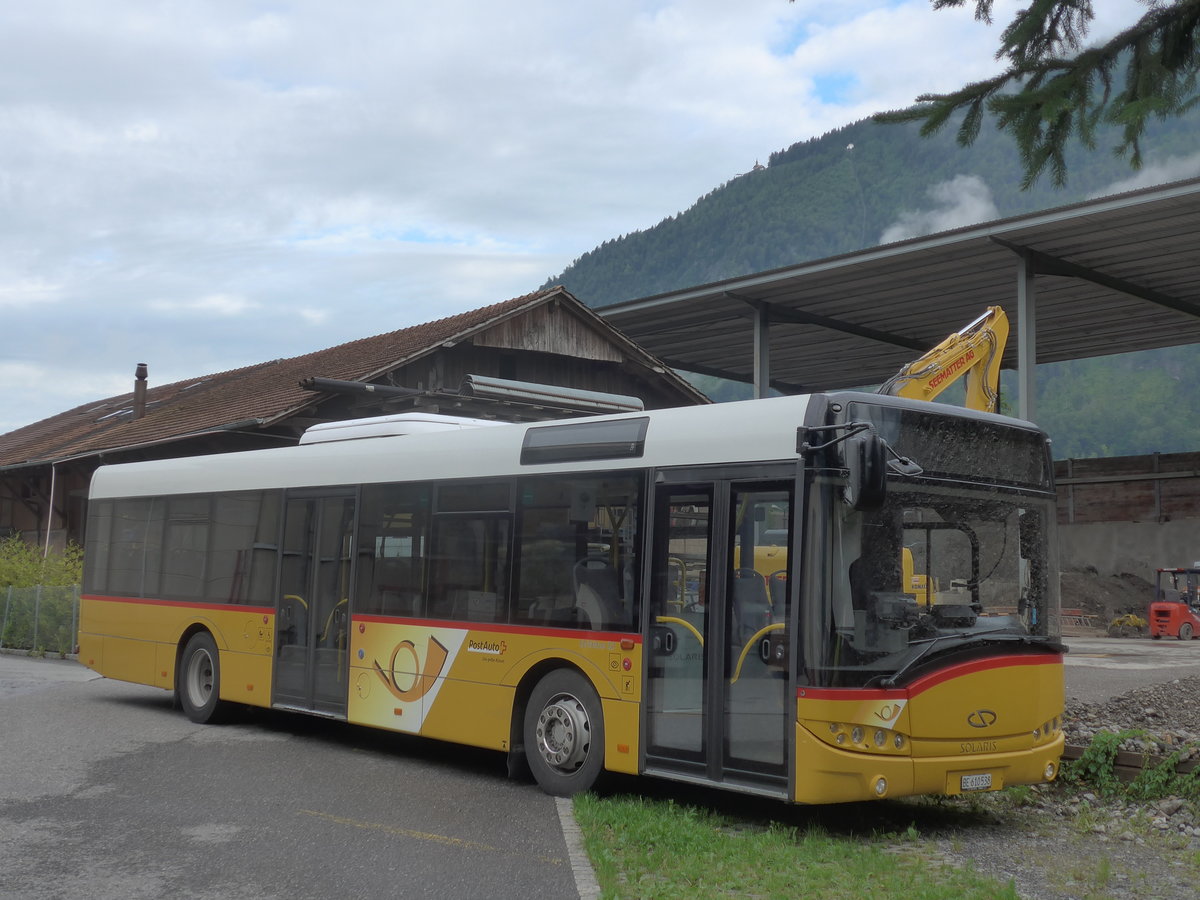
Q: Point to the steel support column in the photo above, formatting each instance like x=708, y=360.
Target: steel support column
x=762, y=350
x=1026, y=340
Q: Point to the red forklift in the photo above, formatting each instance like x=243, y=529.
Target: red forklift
x=1175, y=611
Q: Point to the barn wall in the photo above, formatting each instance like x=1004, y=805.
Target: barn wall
x=550, y=329
x=450, y=366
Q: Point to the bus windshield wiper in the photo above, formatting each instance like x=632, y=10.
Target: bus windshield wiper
x=930, y=643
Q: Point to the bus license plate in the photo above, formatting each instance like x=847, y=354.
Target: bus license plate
x=977, y=782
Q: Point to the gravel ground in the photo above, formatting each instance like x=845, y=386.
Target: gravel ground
x=1058, y=842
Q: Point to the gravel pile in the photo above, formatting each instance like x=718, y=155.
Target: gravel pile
x=1168, y=712
x=1064, y=844
x=1168, y=715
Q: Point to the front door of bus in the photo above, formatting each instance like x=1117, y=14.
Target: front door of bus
x=312, y=615
x=717, y=683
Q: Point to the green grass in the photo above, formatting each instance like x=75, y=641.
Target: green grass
x=649, y=848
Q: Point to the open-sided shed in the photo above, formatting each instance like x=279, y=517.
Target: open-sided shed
x=1109, y=275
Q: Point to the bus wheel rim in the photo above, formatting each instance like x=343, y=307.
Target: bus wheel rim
x=199, y=678
x=564, y=733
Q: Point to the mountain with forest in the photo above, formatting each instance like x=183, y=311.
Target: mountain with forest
x=869, y=184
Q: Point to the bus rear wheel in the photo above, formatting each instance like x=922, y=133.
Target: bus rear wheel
x=199, y=682
x=564, y=733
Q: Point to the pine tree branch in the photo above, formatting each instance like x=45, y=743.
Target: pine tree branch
x=1044, y=97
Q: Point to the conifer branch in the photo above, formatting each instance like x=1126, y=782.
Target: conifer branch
x=1053, y=89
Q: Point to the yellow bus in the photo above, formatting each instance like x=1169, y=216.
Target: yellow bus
x=570, y=593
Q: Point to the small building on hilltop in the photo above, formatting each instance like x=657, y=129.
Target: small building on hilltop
x=474, y=364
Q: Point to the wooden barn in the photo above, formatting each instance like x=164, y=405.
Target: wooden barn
x=480, y=363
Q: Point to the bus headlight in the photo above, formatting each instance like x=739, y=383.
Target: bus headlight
x=860, y=737
x=1047, y=731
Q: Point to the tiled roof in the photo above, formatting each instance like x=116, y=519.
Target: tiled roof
x=261, y=393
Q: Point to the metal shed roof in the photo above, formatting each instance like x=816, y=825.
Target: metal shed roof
x=1110, y=275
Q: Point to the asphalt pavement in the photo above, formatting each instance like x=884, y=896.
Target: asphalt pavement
x=108, y=792
x=1100, y=668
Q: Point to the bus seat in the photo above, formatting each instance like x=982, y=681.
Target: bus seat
x=777, y=589
x=397, y=601
x=452, y=604
x=751, y=603
x=597, y=594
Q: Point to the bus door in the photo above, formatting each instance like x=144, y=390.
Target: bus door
x=718, y=653
x=312, y=614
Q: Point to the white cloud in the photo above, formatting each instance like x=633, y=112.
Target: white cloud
x=207, y=185
x=961, y=201
x=1173, y=168
x=27, y=291
x=58, y=384
x=212, y=304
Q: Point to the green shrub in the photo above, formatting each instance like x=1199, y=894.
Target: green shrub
x=23, y=565
x=39, y=599
x=1096, y=769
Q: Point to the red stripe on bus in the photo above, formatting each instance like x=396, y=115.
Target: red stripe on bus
x=928, y=681
x=501, y=628
x=190, y=604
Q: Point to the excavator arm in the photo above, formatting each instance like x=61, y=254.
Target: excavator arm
x=973, y=353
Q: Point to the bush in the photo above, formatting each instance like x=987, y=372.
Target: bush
x=22, y=564
x=39, y=599
x=41, y=619
x=1097, y=769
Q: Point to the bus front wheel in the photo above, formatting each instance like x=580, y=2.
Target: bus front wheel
x=199, y=683
x=564, y=733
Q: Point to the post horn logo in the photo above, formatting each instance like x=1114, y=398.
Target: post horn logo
x=982, y=718
x=422, y=681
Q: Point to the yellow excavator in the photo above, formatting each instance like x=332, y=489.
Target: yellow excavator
x=973, y=353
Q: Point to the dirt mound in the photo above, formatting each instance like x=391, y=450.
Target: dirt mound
x=1105, y=596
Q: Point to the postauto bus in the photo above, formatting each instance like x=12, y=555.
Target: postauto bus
x=715, y=594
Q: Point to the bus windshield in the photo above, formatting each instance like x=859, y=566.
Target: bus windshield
x=948, y=561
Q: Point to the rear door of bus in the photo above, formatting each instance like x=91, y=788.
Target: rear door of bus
x=312, y=615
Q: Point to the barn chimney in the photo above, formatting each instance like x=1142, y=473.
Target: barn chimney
x=139, y=391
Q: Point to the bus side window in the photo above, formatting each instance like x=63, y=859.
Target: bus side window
x=393, y=542
x=135, y=543
x=99, y=531
x=547, y=553
x=469, y=571
x=576, y=554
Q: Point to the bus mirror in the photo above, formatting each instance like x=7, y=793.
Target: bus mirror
x=865, y=457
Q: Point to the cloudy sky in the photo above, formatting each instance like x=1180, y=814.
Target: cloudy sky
x=204, y=184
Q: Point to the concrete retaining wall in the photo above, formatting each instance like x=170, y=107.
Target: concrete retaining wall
x=1114, y=548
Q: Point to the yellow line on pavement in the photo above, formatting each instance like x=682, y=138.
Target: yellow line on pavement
x=418, y=835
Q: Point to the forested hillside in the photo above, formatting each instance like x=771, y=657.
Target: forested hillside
x=1126, y=405
x=868, y=184
x=845, y=191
